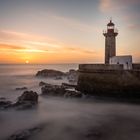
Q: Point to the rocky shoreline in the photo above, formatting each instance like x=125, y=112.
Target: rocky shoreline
x=71, y=75
x=63, y=90
x=29, y=100
x=26, y=134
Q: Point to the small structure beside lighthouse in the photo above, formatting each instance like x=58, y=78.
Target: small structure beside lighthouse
x=110, y=41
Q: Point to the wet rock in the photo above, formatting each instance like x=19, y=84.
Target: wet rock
x=53, y=90
x=71, y=93
x=58, y=78
x=72, y=75
x=25, y=134
x=50, y=73
x=28, y=96
x=2, y=98
x=27, y=100
x=66, y=85
x=22, y=88
x=42, y=84
x=65, y=90
x=5, y=103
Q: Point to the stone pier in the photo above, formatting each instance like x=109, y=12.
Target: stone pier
x=109, y=80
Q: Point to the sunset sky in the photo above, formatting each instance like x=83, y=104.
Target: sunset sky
x=66, y=31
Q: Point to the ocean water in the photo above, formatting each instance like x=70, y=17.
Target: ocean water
x=14, y=76
x=63, y=119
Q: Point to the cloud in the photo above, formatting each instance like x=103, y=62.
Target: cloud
x=105, y=5
x=74, y=24
x=112, y=5
x=9, y=48
x=133, y=26
x=19, y=35
x=78, y=50
x=12, y=48
x=22, y=42
x=28, y=40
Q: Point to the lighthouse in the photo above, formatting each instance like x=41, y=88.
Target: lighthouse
x=110, y=41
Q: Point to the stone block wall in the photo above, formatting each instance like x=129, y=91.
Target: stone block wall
x=108, y=80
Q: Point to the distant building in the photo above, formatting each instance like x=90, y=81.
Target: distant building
x=125, y=60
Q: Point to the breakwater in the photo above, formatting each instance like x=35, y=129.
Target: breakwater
x=109, y=80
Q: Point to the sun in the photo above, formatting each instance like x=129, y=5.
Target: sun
x=27, y=61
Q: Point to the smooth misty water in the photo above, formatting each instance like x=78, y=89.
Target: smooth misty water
x=64, y=119
x=13, y=76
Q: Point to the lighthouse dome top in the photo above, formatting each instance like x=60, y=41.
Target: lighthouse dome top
x=110, y=23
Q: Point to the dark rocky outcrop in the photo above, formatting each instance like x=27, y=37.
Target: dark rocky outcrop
x=27, y=100
x=22, y=88
x=58, y=77
x=26, y=134
x=53, y=90
x=66, y=85
x=73, y=94
x=72, y=75
x=50, y=73
x=42, y=84
x=64, y=90
x=2, y=98
x=5, y=103
x=28, y=96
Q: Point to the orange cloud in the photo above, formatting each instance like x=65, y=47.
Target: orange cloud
x=78, y=50
x=10, y=47
x=18, y=47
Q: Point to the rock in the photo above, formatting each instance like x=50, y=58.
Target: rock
x=27, y=100
x=72, y=75
x=5, y=104
x=42, y=84
x=66, y=85
x=24, y=106
x=22, y=88
x=28, y=96
x=65, y=90
x=73, y=94
x=2, y=98
x=53, y=90
x=50, y=73
x=58, y=78
x=25, y=134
